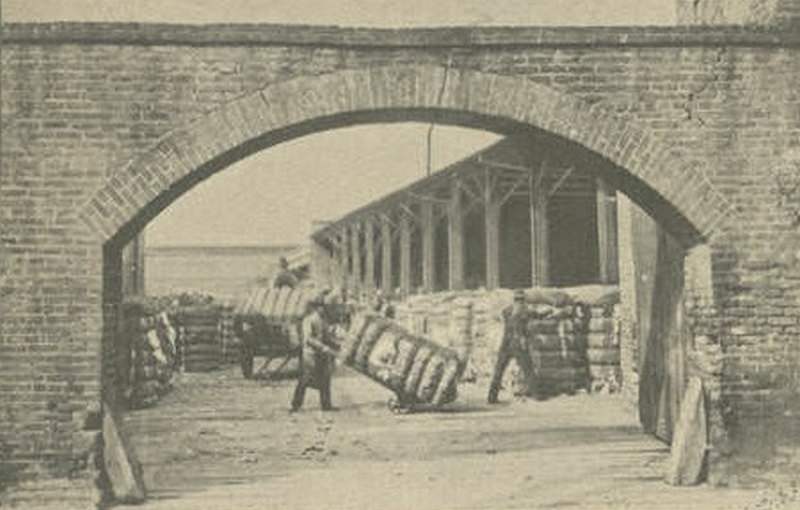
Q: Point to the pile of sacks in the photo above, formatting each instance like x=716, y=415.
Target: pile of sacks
x=231, y=344
x=154, y=356
x=555, y=348
x=572, y=338
x=202, y=338
x=439, y=316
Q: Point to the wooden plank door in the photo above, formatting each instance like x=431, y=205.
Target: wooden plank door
x=658, y=261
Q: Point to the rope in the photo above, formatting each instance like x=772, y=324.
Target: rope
x=438, y=103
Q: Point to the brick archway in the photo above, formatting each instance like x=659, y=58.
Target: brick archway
x=656, y=175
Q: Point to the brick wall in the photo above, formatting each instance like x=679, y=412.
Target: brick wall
x=707, y=118
x=741, y=12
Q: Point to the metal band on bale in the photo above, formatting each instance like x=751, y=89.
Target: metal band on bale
x=430, y=378
x=371, y=334
x=407, y=351
x=445, y=391
x=353, y=337
x=424, y=354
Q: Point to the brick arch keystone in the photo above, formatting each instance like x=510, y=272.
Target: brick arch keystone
x=643, y=159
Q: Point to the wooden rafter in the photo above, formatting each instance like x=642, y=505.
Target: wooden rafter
x=504, y=166
x=405, y=208
x=514, y=187
x=426, y=198
x=475, y=197
x=564, y=176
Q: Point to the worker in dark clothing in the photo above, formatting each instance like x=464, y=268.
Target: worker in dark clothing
x=515, y=319
x=316, y=365
x=285, y=277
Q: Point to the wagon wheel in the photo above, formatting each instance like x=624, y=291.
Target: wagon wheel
x=396, y=405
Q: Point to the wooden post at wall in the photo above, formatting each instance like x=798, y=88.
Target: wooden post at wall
x=607, y=232
x=405, y=254
x=455, y=235
x=369, y=263
x=540, y=252
x=355, y=254
x=492, y=227
x=428, y=247
x=133, y=267
x=386, y=250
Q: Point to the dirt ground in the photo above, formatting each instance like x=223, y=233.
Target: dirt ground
x=218, y=441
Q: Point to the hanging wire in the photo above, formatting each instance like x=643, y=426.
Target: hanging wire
x=438, y=103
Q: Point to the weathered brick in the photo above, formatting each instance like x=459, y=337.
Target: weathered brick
x=614, y=93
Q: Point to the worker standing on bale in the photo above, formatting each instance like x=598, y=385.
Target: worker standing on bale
x=316, y=365
x=285, y=277
x=515, y=319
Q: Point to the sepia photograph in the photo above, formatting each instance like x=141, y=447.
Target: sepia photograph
x=400, y=255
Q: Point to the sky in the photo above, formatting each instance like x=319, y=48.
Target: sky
x=272, y=196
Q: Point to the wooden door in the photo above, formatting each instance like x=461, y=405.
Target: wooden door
x=658, y=262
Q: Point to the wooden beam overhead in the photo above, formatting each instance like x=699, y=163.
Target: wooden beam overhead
x=503, y=166
x=564, y=176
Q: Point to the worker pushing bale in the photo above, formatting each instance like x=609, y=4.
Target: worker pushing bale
x=278, y=321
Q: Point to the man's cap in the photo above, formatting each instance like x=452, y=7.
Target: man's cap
x=519, y=295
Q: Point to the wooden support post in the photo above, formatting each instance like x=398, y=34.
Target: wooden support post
x=540, y=252
x=320, y=263
x=405, y=254
x=355, y=254
x=428, y=247
x=492, y=227
x=341, y=260
x=386, y=250
x=455, y=236
x=607, y=232
x=369, y=263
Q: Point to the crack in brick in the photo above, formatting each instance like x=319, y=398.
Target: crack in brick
x=689, y=106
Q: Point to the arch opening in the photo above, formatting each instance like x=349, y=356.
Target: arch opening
x=168, y=172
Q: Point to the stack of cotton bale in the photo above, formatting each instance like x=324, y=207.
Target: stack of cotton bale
x=416, y=369
x=599, y=305
x=202, y=345
x=555, y=348
x=231, y=344
x=153, y=341
x=437, y=315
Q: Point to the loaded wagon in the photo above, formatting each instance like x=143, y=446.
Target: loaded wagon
x=267, y=321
